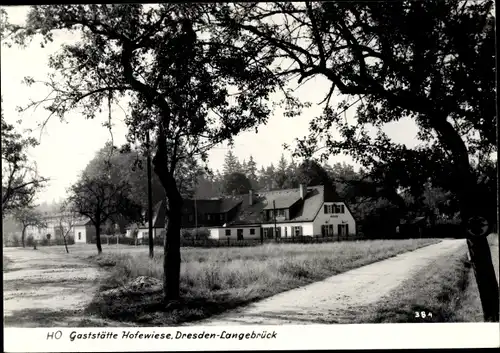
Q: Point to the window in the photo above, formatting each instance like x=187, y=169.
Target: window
x=190, y=218
x=297, y=231
x=327, y=230
x=239, y=233
x=221, y=216
x=268, y=233
x=79, y=235
x=334, y=209
x=208, y=217
x=280, y=213
x=228, y=232
x=252, y=231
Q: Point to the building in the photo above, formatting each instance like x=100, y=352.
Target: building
x=52, y=229
x=304, y=211
x=158, y=224
x=205, y=213
x=84, y=231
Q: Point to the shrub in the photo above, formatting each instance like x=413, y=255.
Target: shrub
x=30, y=241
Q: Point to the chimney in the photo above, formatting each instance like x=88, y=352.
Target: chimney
x=302, y=189
x=250, y=197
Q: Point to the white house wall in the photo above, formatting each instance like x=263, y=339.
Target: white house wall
x=307, y=228
x=216, y=233
x=220, y=233
x=335, y=219
x=83, y=231
x=143, y=233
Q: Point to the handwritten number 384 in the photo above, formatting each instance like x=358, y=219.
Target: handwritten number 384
x=422, y=314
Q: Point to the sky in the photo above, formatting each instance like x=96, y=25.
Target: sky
x=66, y=147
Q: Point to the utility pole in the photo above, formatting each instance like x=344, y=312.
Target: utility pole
x=150, y=199
x=195, y=218
x=274, y=213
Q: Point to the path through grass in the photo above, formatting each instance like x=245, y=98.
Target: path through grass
x=218, y=279
x=446, y=289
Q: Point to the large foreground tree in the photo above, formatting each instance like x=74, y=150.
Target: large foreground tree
x=441, y=76
x=189, y=83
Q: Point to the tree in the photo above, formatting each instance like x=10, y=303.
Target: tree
x=311, y=173
x=266, y=178
x=251, y=172
x=190, y=83
x=28, y=217
x=100, y=199
x=280, y=175
x=66, y=223
x=126, y=166
x=20, y=180
x=237, y=183
x=441, y=76
x=231, y=164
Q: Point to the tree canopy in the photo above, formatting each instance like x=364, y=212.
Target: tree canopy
x=101, y=199
x=20, y=179
x=188, y=83
x=237, y=183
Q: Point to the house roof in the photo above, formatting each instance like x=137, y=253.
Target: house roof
x=413, y=220
x=281, y=198
x=203, y=206
x=247, y=214
x=83, y=222
x=252, y=214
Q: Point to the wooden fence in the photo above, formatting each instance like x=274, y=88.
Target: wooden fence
x=214, y=243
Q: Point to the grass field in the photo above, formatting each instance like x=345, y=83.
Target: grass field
x=5, y=262
x=445, y=291
x=219, y=279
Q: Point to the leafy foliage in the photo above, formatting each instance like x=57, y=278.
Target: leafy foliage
x=28, y=217
x=20, y=180
x=100, y=199
x=237, y=183
x=441, y=77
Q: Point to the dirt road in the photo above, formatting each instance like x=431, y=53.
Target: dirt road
x=46, y=289
x=337, y=298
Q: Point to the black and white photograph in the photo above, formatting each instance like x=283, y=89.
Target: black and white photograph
x=169, y=169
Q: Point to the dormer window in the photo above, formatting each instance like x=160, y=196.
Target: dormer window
x=334, y=209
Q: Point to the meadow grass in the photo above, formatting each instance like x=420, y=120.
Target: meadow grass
x=5, y=262
x=218, y=279
x=446, y=288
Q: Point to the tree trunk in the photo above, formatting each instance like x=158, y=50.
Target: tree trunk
x=172, y=253
x=150, y=200
x=480, y=255
x=98, y=237
x=65, y=244
x=471, y=205
x=23, y=233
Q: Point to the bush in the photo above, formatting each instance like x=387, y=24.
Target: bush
x=30, y=241
x=12, y=239
x=198, y=234
x=126, y=241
